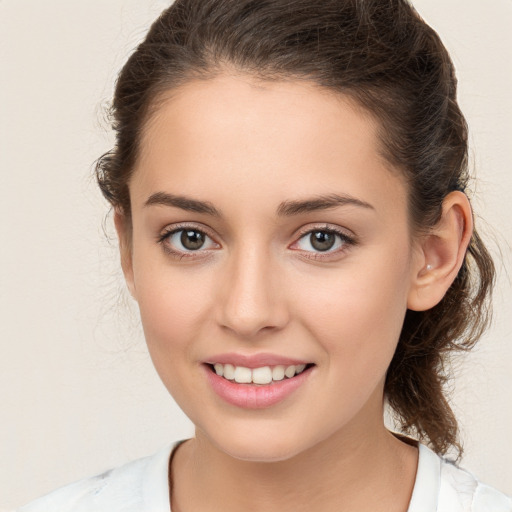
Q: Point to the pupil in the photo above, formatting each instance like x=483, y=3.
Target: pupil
x=322, y=240
x=192, y=240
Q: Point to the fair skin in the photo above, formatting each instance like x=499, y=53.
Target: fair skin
x=228, y=161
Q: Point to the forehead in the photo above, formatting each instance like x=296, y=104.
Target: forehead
x=236, y=135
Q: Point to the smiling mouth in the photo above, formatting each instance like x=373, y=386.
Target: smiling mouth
x=262, y=375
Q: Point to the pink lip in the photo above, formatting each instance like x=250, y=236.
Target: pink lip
x=254, y=396
x=255, y=360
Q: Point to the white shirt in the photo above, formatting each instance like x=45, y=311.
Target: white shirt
x=142, y=486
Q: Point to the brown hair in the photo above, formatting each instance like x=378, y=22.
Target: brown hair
x=384, y=56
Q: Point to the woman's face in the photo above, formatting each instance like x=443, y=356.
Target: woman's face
x=269, y=234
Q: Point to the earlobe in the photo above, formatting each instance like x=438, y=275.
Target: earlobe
x=123, y=229
x=441, y=253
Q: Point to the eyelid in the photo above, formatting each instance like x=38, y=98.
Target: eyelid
x=171, y=229
x=348, y=239
x=332, y=228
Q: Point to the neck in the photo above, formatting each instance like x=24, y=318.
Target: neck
x=348, y=471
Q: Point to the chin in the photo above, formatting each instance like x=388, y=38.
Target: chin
x=262, y=452
x=260, y=445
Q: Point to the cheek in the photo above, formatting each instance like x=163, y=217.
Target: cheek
x=172, y=312
x=357, y=312
x=173, y=307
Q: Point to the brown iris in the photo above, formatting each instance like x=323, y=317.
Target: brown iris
x=192, y=240
x=322, y=240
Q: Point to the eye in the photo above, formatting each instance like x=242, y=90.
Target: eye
x=323, y=241
x=186, y=240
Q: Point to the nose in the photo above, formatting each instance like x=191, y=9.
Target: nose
x=252, y=300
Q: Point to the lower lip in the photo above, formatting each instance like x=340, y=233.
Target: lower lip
x=255, y=396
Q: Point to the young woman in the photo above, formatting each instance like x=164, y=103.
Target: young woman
x=288, y=186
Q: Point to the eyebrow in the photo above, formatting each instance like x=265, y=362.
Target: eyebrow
x=285, y=209
x=182, y=202
x=324, y=202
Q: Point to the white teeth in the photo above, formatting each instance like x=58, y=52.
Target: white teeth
x=243, y=375
x=229, y=371
x=278, y=372
x=262, y=375
x=290, y=371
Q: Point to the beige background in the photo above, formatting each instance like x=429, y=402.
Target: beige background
x=77, y=390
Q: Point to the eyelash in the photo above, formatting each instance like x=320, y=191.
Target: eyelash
x=346, y=242
x=163, y=238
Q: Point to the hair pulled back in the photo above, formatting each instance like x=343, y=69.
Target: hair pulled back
x=379, y=53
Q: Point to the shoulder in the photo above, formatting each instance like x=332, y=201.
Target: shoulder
x=441, y=486
x=461, y=491
x=139, y=485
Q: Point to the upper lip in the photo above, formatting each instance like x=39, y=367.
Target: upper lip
x=255, y=360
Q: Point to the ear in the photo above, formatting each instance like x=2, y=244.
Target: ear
x=124, y=234
x=441, y=253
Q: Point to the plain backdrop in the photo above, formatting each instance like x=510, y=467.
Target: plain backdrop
x=78, y=393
